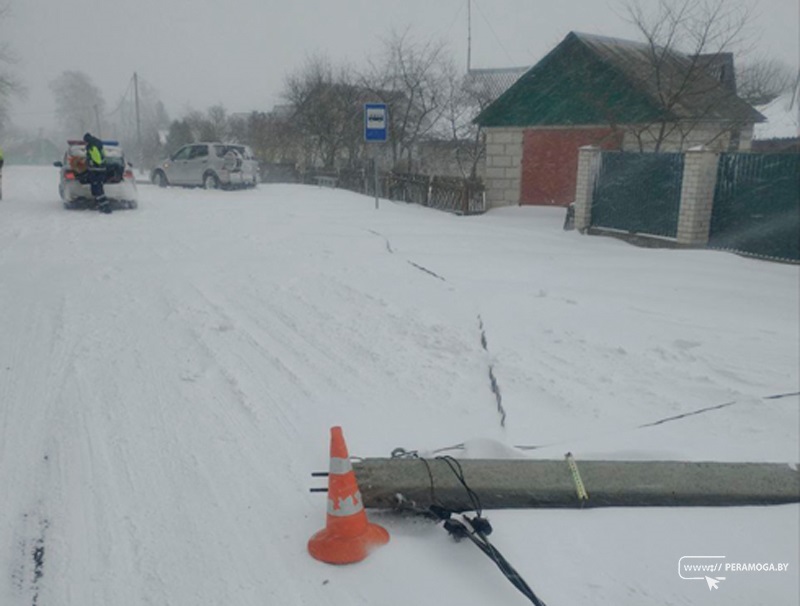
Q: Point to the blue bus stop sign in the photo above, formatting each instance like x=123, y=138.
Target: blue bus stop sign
x=375, y=122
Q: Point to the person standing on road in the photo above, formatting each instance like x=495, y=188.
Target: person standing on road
x=96, y=166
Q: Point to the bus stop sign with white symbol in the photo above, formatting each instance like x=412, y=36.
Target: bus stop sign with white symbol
x=375, y=122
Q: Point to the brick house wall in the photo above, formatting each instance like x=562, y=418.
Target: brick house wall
x=538, y=166
x=550, y=161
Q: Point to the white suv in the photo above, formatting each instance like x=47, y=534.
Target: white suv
x=209, y=165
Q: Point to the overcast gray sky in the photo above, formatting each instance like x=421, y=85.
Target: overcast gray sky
x=197, y=53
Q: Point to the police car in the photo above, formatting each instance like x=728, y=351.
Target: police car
x=73, y=184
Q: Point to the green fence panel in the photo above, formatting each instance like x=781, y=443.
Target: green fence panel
x=757, y=205
x=638, y=193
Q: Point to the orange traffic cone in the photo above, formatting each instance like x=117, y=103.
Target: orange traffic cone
x=348, y=536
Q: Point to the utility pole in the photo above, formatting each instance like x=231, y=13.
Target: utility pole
x=138, y=121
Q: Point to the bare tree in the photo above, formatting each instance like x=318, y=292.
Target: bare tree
x=326, y=110
x=685, y=39
x=79, y=103
x=763, y=80
x=218, y=123
x=271, y=135
x=238, y=128
x=467, y=96
x=417, y=82
x=412, y=79
x=9, y=83
x=198, y=126
x=209, y=126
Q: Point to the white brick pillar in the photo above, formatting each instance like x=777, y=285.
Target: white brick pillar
x=503, y=166
x=697, y=197
x=589, y=158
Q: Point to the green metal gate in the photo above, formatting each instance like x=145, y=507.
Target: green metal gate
x=639, y=193
x=757, y=205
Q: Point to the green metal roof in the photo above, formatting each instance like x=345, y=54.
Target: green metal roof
x=591, y=80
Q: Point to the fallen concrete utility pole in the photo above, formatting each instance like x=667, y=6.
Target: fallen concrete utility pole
x=504, y=484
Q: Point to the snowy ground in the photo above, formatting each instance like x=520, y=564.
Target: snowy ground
x=169, y=375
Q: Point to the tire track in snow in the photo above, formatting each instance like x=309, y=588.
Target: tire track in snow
x=226, y=327
x=67, y=415
x=29, y=566
x=30, y=409
x=253, y=446
x=135, y=536
x=375, y=351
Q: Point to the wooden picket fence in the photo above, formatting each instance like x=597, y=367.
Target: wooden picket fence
x=450, y=194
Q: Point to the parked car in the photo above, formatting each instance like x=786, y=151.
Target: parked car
x=209, y=165
x=73, y=185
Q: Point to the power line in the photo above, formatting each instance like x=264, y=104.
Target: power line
x=455, y=18
x=122, y=100
x=496, y=37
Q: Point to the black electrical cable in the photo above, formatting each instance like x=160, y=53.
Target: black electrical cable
x=436, y=508
x=476, y=529
x=455, y=467
x=460, y=530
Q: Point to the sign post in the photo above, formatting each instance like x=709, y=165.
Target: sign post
x=375, y=131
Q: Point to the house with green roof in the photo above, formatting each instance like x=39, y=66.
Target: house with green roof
x=613, y=94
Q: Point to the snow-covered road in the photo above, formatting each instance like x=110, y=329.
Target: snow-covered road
x=168, y=376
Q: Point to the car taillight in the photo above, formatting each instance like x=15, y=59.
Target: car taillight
x=129, y=174
x=69, y=175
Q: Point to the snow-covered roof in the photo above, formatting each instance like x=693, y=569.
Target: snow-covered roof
x=493, y=82
x=783, y=118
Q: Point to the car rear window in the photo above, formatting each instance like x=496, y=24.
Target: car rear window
x=114, y=155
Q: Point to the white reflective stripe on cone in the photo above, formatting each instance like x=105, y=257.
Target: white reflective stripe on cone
x=340, y=466
x=348, y=506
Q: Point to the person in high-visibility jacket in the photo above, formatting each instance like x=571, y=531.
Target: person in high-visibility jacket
x=96, y=167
